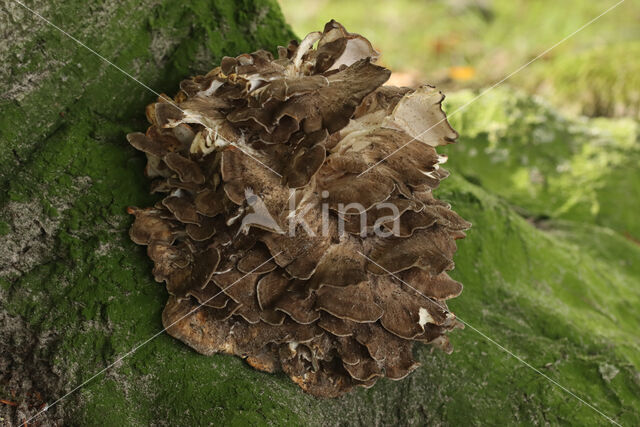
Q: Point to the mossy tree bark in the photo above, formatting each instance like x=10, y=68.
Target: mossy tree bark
x=76, y=294
x=51, y=82
x=68, y=173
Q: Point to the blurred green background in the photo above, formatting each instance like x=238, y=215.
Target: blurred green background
x=476, y=43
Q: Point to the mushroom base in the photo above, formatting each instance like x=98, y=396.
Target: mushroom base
x=315, y=364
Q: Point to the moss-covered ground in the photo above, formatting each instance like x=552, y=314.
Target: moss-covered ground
x=551, y=267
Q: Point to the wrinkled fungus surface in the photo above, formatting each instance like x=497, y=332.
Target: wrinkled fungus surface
x=260, y=162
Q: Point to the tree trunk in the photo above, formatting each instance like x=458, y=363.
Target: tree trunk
x=67, y=176
x=76, y=295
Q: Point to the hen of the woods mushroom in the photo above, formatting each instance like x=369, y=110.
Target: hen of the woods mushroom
x=273, y=243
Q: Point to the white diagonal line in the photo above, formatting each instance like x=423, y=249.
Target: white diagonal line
x=94, y=52
x=165, y=97
x=506, y=350
x=248, y=154
x=495, y=85
x=137, y=347
x=134, y=349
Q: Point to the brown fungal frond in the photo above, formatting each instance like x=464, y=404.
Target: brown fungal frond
x=298, y=262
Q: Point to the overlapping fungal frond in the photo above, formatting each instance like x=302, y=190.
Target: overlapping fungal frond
x=334, y=298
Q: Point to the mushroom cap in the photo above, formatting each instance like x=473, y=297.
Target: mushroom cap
x=297, y=227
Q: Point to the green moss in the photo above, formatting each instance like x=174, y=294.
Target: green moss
x=602, y=81
x=165, y=42
x=5, y=228
x=539, y=293
x=546, y=164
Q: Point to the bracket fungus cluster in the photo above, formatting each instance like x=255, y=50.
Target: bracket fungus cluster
x=334, y=298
